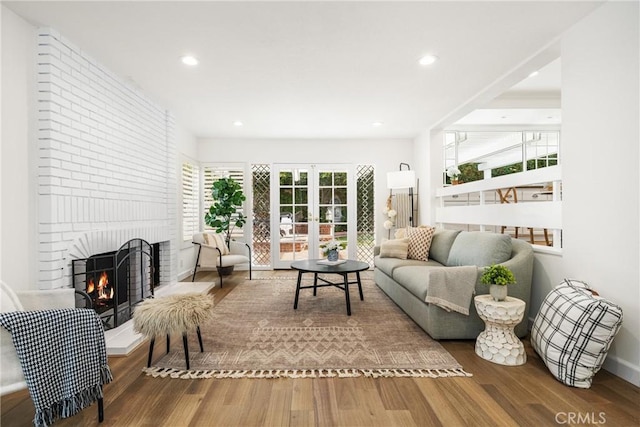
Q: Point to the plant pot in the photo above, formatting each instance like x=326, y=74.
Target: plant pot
x=332, y=255
x=498, y=292
x=225, y=271
x=455, y=181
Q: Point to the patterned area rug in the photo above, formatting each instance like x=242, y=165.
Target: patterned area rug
x=256, y=333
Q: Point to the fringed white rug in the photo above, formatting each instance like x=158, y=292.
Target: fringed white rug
x=256, y=333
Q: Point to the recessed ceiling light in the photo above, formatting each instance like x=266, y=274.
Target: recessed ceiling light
x=535, y=73
x=376, y=124
x=189, y=60
x=428, y=60
x=238, y=123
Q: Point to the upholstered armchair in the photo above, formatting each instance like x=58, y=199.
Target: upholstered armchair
x=11, y=377
x=213, y=253
x=38, y=304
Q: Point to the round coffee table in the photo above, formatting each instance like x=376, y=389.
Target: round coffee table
x=343, y=269
x=497, y=343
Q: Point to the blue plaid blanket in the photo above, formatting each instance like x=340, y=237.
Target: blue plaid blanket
x=63, y=357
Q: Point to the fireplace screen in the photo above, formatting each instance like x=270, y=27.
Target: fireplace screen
x=117, y=281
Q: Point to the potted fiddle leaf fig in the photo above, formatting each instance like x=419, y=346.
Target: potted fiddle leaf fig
x=224, y=214
x=497, y=277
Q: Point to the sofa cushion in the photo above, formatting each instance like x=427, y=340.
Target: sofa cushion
x=441, y=245
x=388, y=265
x=396, y=248
x=414, y=278
x=480, y=249
x=419, y=242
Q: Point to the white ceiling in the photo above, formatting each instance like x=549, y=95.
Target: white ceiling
x=534, y=101
x=309, y=69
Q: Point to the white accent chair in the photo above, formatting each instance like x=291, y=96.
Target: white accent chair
x=213, y=253
x=11, y=377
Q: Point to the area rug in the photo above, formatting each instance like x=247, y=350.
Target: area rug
x=256, y=333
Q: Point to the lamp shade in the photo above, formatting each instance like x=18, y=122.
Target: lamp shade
x=401, y=179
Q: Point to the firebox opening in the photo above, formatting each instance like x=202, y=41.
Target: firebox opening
x=117, y=281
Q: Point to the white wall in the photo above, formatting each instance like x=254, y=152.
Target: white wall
x=600, y=132
x=601, y=184
x=68, y=107
x=19, y=164
x=385, y=155
x=423, y=157
x=106, y=163
x=186, y=143
x=187, y=146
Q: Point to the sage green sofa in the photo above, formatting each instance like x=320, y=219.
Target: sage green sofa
x=404, y=280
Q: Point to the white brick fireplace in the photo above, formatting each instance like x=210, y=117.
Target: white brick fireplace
x=107, y=164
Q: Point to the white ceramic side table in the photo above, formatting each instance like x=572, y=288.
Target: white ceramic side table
x=497, y=343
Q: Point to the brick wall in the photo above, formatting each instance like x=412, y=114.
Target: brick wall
x=107, y=163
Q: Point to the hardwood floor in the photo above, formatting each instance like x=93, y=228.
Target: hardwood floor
x=495, y=396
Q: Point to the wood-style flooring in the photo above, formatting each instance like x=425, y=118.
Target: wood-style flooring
x=495, y=396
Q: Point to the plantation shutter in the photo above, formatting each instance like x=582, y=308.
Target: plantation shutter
x=212, y=173
x=190, y=200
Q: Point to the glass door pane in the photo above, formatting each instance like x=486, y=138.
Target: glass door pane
x=332, y=208
x=293, y=218
x=311, y=203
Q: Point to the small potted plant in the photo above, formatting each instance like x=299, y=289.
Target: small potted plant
x=454, y=173
x=497, y=277
x=331, y=248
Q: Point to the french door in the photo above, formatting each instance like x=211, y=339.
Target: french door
x=312, y=205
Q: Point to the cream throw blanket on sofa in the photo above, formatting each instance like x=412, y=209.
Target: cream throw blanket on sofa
x=451, y=288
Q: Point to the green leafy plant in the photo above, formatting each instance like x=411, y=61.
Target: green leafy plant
x=223, y=214
x=497, y=274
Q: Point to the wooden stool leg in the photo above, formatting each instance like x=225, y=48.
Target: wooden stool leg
x=168, y=341
x=186, y=348
x=151, y=343
x=200, y=338
x=100, y=410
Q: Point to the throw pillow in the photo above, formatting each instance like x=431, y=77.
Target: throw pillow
x=419, y=242
x=441, y=245
x=400, y=233
x=217, y=241
x=396, y=248
x=480, y=249
x=573, y=331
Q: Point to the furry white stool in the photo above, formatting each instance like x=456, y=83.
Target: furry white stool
x=175, y=314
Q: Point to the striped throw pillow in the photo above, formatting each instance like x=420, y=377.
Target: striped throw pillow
x=396, y=248
x=217, y=241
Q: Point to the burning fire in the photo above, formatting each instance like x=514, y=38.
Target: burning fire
x=104, y=290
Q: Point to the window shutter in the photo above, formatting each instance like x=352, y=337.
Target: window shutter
x=190, y=200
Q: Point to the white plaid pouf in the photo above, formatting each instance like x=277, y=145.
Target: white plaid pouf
x=573, y=331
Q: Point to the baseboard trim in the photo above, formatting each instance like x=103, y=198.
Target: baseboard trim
x=623, y=369
x=616, y=366
x=184, y=275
